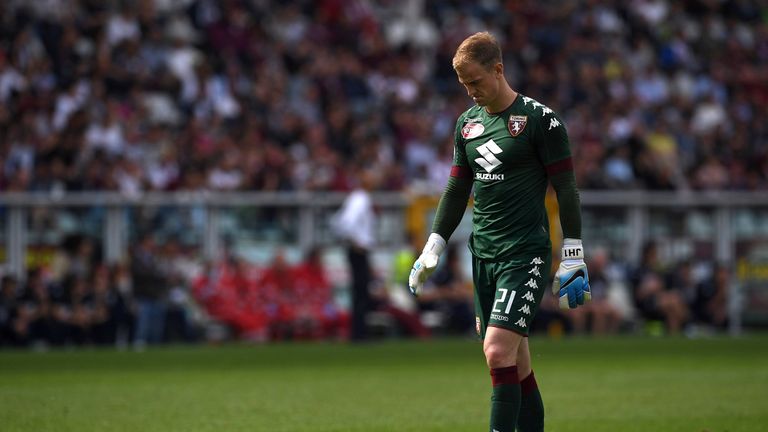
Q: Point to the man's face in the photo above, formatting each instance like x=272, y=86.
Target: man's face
x=482, y=84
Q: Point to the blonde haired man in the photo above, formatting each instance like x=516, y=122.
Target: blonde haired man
x=509, y=147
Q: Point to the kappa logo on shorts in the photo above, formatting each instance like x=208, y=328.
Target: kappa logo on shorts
x=528, y=296
x=535, y=271
x=525, y=309
x=477, y=325
x=532, y=284
x=537, y=261
x=521, y=323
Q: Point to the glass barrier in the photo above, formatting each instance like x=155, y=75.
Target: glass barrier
x=606, y=227
x=749, y=228
x=683, y=233
x=57, y=235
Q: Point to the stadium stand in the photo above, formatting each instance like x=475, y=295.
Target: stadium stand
x=239, y=95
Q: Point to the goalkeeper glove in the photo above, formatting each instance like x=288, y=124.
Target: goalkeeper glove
x=571, y=283
x=426, y=264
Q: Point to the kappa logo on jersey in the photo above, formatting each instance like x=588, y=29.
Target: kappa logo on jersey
x=516, y=124
x=525, y=309
x=545, y=110
x=528, y=296
x=477, y=325
x=472, y=130
x=488, y=161
x=521, y=323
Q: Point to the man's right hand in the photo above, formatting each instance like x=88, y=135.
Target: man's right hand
x=426, y=264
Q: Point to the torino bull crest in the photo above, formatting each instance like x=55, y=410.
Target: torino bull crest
x=516, y=124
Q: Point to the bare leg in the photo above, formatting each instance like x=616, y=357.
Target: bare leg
x=501, y=351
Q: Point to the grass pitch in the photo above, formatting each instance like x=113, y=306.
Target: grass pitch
x=626, y=384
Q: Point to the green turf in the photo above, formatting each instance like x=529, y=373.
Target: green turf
x=626, y=384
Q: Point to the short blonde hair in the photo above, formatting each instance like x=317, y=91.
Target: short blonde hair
x=481, y=48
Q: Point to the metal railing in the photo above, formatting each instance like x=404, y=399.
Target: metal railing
x=637, y=205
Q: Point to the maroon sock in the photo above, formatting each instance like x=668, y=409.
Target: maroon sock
x=528, y=384
x=531, y=418
x=505, y=402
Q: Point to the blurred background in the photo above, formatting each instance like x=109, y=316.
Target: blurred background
x=169, y=169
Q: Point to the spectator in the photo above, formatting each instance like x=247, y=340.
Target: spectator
x=150, y=289
x=230, y=294
x=74, y=310
x=654, y=298
x=276, y=293
x=318, y=313
x=355, y=224
x=38, y=320
x=655, y=75
x=104, y=305
x=600, y=314
x=710, y=306
x=450, y=293
x=9, y=310
x=124, y=307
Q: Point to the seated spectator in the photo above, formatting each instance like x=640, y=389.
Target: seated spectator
x=9, y=309
x=600, y=314
x=450, y=293
x=150, y=288
x=125, y=306
x=276, y=293
x=709, y=305
x=318, y=315
x=229, y=296
x=407, y=322
x=653, y=297
x=105, y=303
x=74, y=310
x=37, y=321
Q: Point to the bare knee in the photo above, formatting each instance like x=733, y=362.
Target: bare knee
x=498, y=355
x=500, y=347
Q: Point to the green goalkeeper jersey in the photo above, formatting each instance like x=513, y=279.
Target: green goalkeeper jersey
x=509, y=156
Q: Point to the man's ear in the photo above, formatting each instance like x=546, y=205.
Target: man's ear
x=498, y=68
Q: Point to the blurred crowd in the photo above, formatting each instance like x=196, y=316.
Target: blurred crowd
x=652, y=297
x=136, y=95
x=278, y=302
x=165, y=294
x=165, y=95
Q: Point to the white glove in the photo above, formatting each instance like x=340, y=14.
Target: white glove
x=426, y=264
x=571, y=283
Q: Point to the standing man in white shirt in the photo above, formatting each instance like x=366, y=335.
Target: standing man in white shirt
x=355, y=224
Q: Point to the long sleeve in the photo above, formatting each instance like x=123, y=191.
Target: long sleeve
x=452, y=205
x=569, y=202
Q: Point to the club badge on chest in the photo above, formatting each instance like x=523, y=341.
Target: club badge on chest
x=516, y=124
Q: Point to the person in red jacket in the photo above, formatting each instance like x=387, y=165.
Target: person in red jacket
x=317, y=310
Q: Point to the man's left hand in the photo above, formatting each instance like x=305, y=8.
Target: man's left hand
x=571, y=283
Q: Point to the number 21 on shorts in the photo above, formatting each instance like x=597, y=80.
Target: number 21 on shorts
x=503, y=298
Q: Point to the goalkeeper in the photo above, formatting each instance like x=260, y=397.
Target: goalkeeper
x=508, y=146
